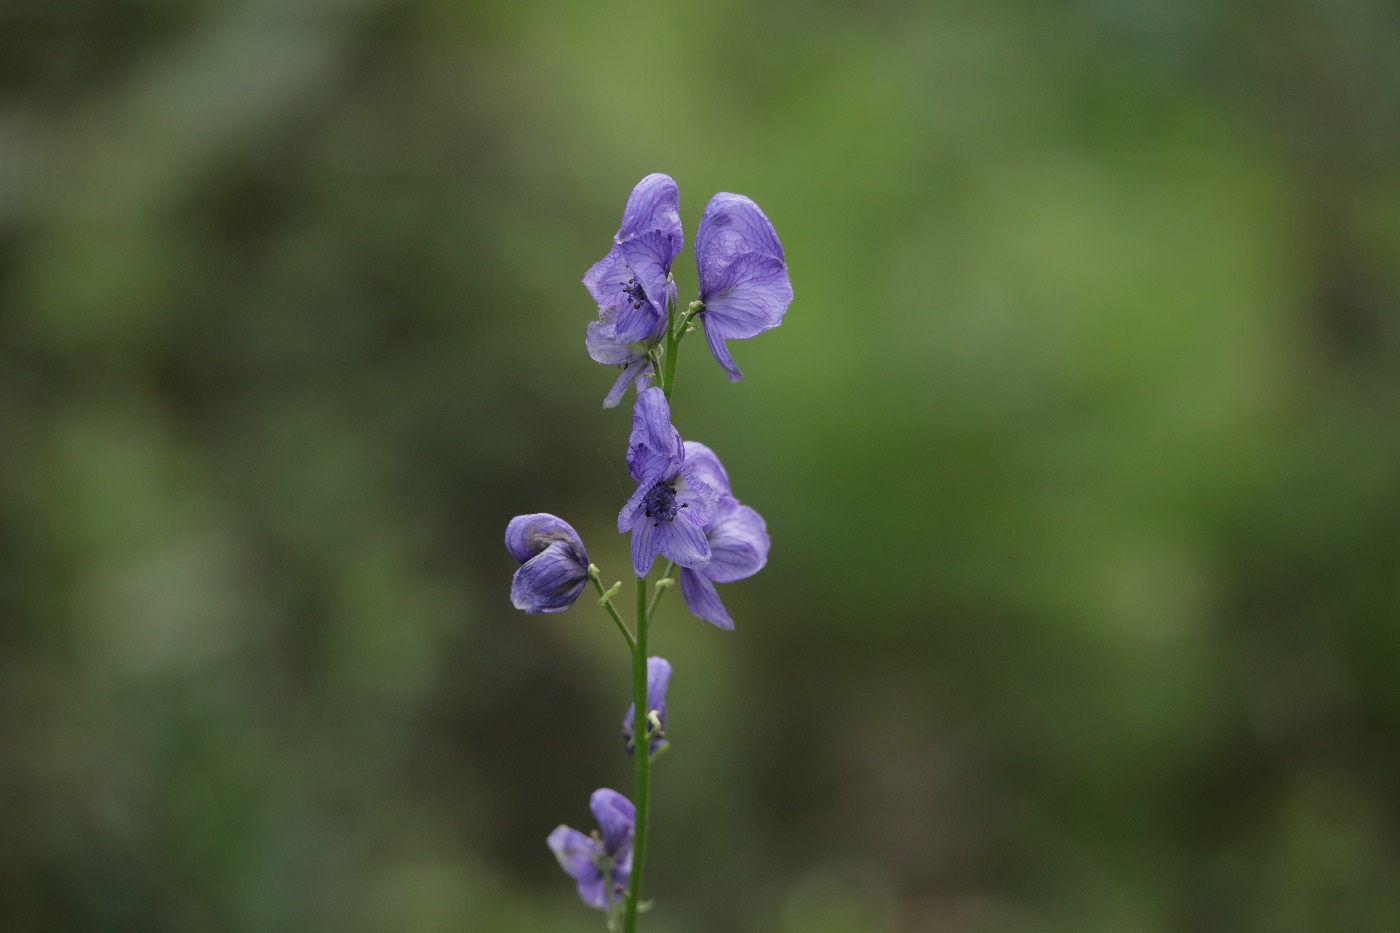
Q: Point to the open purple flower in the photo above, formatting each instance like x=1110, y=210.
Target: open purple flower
x=658, y=677
x=669, y=511
x=602, y=862
x=633, y=279
x=744, y=283
x=554, y=564
x=737, y=536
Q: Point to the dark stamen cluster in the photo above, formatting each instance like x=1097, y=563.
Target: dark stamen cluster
x=660, y=502
x=635, y=291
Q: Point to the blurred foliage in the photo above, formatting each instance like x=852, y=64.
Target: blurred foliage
x=1079, y=449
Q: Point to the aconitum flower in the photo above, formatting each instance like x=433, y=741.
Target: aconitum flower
x=737, y=536
x=602, y=862
x=554, y=563
x=605, y=347
x=658, y=677
x=633, y=279
x=744, y=283
x=669, y=511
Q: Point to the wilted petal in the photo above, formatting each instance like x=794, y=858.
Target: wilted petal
x=616, y=817
x=654, y=204
x=635, y=372
x=550, y=581
x=732, y=224
x=602, y=343
x=605, y=347
x=738, y=543
x=680, y=540
x=703, y=601
x=527, y=535
x=704, y=466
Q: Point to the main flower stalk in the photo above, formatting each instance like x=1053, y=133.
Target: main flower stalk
x=683, y=510
x=643, y=758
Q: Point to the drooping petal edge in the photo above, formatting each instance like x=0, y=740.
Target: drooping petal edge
x=703, y=601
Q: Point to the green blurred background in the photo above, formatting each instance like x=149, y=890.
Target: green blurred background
x=1079, y=448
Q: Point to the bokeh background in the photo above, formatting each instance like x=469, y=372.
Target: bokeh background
x=1079, y=448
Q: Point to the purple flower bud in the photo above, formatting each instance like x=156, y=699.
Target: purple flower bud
x=658, y=677
x=600, y=863
x=554, y=564
x=744, y=282
x=669, y=511
x=737, y=537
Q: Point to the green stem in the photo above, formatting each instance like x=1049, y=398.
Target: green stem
x=660, y=587
x=675, y=332
x=668, y=374
x=605, y=601
x=641, y=752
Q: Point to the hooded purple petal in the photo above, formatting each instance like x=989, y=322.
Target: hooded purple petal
x=551, y=581
x=616, y=817
x=705, y=467
x=702, y=600
x=658, y=678
x=527, y=535
x=554, y=563
x=653, y=205
x=738, y=543
x=633, y=278
x=654, y=449
x=732, y=224
x=744, y=282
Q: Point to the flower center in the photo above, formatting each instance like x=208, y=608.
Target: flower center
x=633, y=289
x=661, y=502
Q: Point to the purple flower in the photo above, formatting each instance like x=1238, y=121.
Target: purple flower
x=744, y=283
x=671, y=507
x=737, y=536
x=658, y=677
x=605, y=347
x=602, y=862
x=554, y=563
x=633, y=279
